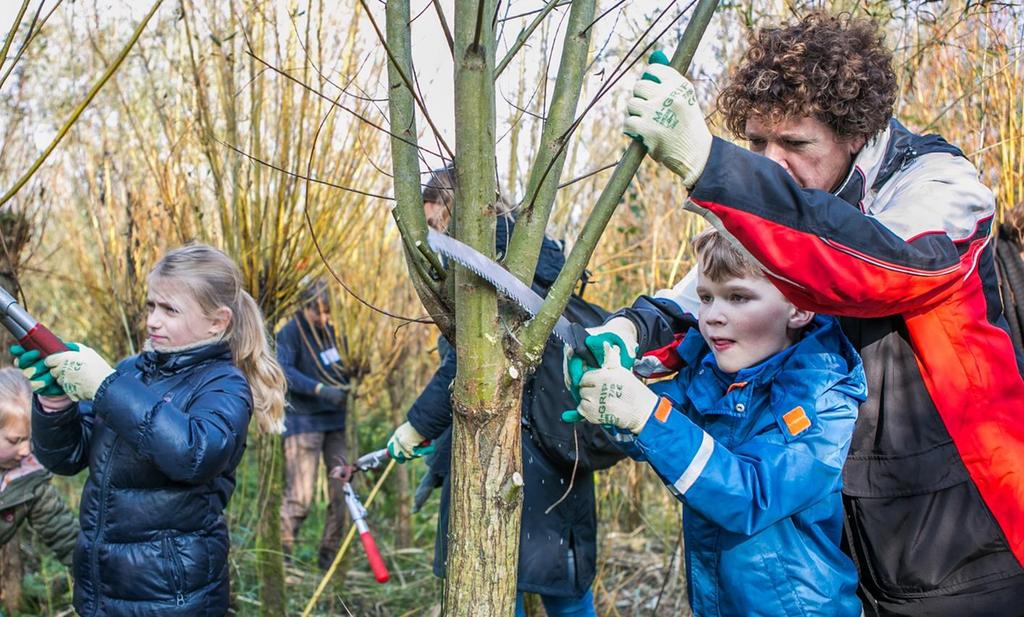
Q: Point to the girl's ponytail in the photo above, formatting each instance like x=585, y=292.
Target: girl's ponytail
x=250, y=348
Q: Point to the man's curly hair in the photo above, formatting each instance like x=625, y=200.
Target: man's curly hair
x=834, y=68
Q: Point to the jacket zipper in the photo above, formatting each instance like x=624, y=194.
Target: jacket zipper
x=177, y=571
x=95, y=557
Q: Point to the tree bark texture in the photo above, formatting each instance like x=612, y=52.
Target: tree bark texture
x=486, y=497
x=270, y=560
x=486, y=505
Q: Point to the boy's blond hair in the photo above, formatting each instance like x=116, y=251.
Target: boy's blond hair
x=719, y=260
x=15, y=396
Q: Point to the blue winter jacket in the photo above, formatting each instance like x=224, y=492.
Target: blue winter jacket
x=309, y=355
x=756, y=458
x=161, y=440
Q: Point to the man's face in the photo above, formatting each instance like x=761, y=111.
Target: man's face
x=746, y=320
x=318, y=313
x=807, y=148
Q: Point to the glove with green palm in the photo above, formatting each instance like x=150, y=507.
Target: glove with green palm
x=32, y=364
x=664, y=114
x=79, y=372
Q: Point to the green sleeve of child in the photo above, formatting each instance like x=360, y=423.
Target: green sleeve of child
x=51, y=518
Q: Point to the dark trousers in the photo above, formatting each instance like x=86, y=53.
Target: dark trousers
x=302, y=453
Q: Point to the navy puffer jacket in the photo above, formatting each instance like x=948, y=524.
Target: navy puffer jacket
x=161, y=439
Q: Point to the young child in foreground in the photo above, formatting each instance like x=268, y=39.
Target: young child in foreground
x=161, y=436
x=25, y=491
x=751, y=436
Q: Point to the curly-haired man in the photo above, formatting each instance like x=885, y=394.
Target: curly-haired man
x=852, y=214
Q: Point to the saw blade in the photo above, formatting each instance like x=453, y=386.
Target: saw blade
x=503, y=281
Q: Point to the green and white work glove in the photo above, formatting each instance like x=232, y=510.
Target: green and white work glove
x=406, y=443
x=665, y=116
x=32, y=364
x=79, y=372
x=618, y=331
x=613, y=395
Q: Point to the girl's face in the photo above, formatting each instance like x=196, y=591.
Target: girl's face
x=175, y=319
x=14, y=443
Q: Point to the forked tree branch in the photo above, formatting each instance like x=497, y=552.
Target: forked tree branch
x=536, y=332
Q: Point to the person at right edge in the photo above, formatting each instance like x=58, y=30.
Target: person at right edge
x=852, y=214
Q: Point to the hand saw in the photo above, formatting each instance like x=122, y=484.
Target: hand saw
x=508, y=285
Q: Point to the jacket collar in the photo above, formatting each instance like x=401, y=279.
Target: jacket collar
x=820, y=360
x=888, y=152
x=153, y=362
x=28, y=466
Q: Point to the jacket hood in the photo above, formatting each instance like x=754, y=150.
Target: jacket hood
x=551, y=259
x=823, y=359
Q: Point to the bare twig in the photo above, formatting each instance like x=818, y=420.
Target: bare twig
x=408, y=82
x=81, y=106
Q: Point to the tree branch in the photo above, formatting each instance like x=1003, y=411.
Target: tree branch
x=525, y=33
x=104, y=78
x=408, y=210
x=524, y=247
x=539, y=328
x=403, y=70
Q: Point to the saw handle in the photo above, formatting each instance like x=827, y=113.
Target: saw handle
x=580, y=348
x=592, y=358
x=40, y=338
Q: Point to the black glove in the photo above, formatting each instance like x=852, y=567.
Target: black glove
x=334, y=396
x=425, y=488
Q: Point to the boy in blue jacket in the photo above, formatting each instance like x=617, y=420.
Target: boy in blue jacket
x=751, y=436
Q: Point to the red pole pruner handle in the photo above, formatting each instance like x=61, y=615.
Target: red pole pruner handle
x=40, y=337
x=358, y=513
x=380, y=571
x=30, y=333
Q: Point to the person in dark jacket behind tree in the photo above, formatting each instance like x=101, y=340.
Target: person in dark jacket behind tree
x=26, y=494
x=557, y=549
x=852, y=214
x=314, y=419
x=161, y=436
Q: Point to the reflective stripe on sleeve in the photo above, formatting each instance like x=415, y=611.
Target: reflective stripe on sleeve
x=696, y=466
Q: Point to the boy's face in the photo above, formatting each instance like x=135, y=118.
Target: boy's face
x=14, y=443
x=318, y=313
x=437, y=215
x=746, y=320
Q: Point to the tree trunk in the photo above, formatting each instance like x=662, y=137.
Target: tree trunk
x=270, y=556
x=11, y=572
x=486, y=493
x=486, y=505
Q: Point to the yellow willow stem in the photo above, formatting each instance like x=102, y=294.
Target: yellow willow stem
x=14, y=30
x=81, y=106
x=344, y=545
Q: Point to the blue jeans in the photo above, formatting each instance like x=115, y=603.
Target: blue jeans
x=562, y=607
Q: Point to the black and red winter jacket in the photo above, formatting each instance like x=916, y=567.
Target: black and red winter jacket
x=934, y=482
